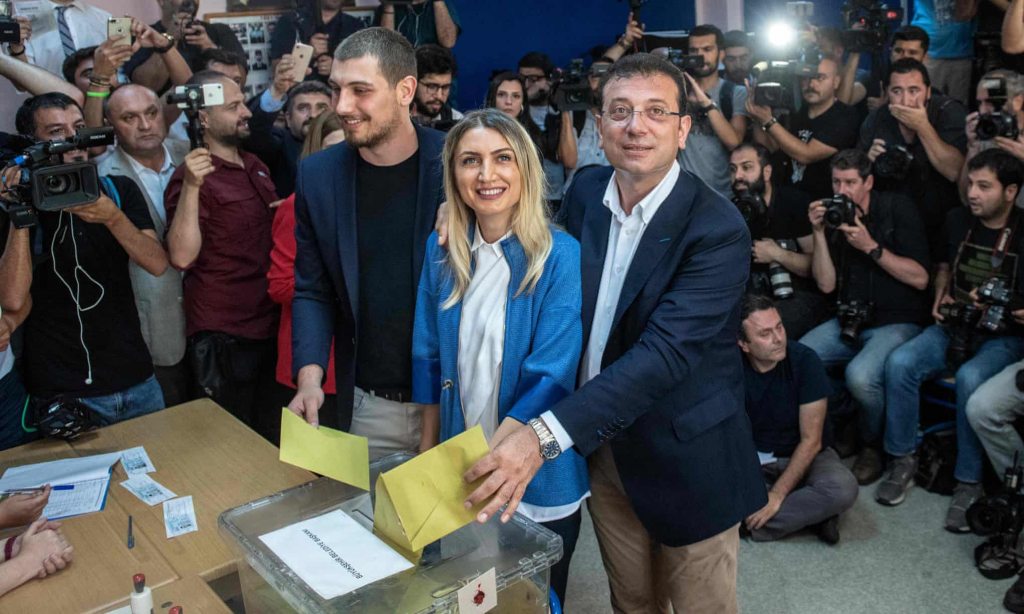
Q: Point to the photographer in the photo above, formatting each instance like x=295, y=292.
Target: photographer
x=1002, y=109
x=822, y=127
x=180, y=30
x=536, y=68
x=976, y=251
x=908, y=42
x=737, y=57
x=320, y=24
x=588, y=138
x=782, y=218
x=916, y=143
x=869, y=248
x=83, y=341
x=421, y=22
x=435, y=68
x=219, y=219
x=719, y=116
x=280, y=148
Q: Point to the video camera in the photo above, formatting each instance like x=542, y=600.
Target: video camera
x=10, y=29
x=570, y=89
x=775, y=79
x=192, y=98
x=684, y=62
x=877, y=20
x=48, y=186
x=1001, y=122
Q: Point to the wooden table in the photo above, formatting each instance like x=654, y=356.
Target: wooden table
x=198, y=449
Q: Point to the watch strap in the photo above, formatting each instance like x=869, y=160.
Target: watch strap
x=876, y=254
x=768, y=124
x=170, y=44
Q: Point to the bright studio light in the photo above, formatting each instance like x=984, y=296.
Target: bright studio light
x=780, y=34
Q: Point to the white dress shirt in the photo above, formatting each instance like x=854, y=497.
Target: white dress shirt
x=88, y=26
x=154, y=182
x=624, y=234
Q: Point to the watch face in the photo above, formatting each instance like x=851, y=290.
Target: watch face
x=551, y=450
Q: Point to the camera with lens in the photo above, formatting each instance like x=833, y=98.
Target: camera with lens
x=1000, y=518
x=49, y=185
x=999, y=300
x=570, y=89
x=779, y=278
x=1000, y=123
x=960, y=320
x=840, y=210
x=894, y=162
x=192, y=98
x=877, y=20
x=776, y=79
x=684, y=62
x=754, y=211
x=10, y=29
x=854, y=316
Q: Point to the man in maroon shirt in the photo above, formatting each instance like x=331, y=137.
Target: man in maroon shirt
x=219, y=215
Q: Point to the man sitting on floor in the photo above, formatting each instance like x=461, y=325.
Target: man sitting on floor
x=786, y=397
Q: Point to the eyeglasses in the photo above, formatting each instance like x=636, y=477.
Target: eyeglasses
x=657, y=115
x=531, y=79
x=433, y=88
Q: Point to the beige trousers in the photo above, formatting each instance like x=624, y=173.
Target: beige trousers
x=390, y=426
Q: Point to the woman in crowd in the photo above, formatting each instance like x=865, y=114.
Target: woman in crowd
x=324, y=132
x=497, y=335
x=508, y=95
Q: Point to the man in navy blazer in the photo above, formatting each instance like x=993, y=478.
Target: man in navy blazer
x=659, y=412
x=363, y=211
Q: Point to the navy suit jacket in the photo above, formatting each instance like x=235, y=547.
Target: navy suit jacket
x=326, y=298
x=669, y=397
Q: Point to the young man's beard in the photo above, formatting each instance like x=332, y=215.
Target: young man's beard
x=425, y=111
x=757, y=187
x=539, y=98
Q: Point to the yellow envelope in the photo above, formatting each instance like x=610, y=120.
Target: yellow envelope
x=421, y=500
x=337, y=455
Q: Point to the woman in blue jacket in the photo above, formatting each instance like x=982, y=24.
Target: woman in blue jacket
x=498, y=336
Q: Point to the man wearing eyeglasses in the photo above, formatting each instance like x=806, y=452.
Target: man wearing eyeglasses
x=659, y=407
x=436, y=67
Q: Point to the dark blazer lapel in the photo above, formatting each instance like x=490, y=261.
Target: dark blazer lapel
x=344, y=189
x=427, y=200
x=597, y=220
x=668, y=223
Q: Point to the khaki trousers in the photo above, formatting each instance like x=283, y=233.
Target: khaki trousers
x=390, y=426
x=646, y=576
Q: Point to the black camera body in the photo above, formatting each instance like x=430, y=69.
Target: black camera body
x=773, y=95
x=10, y=29
x=570, y=89
x=1000, y=300
x=894, y=162
x=754, y=211
x=877, y=20
x=840, y=210
x=1000, y=123
x=960, y=320
x=854, y=316
x=684, y=62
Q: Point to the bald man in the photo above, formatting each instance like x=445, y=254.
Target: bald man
x=149, y=158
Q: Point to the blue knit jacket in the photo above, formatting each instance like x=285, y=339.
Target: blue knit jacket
x=543, y=341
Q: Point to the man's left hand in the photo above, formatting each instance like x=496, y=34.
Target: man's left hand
x=761, y=517
x=103, y=211
x=858, y=236
x=695, y=95
x=766, y=251
x=196, y=35
x=913, y=118
x=763, y=115
x=511, y=466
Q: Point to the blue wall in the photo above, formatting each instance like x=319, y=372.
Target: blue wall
x=495, y=33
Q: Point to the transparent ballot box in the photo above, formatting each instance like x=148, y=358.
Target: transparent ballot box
x=520, y=551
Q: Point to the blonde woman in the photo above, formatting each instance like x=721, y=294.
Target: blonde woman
x=497, y=336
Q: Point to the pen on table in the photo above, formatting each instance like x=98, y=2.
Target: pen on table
x=35, y=491
x=131, y=538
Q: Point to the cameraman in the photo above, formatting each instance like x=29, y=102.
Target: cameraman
x=1009, y=102
x=976, y=251
x=536, y=68
x=930, y=128
x=738, y=57
x=784, y=219
x=320, y=24
x=822, y=127
x=877, y=263
x=83, y=340
x=435, y=68
x=719, y=119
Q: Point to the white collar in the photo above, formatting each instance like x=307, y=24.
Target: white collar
x=478, y=241
x=647, y=207
x=168, y=162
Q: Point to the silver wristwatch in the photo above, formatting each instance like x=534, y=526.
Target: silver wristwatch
x=549, y=448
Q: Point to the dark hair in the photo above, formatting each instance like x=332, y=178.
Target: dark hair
x=25, y=118
x=760, y=151
x=752, y=303
x=73, y=61
x=1008, y=169
x=524, y=117
x=435, y=60
x=221, y=56
x=644, y=65
x=395, y=56
x=707, y=30
x=912, y=33
x=306, y=87
x=207, y=76
x=906, y=66
x=852, y=158
x=735, y=38
x=536, y=59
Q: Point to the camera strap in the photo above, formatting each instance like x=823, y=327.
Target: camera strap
x=999, y=250
x=111, y=190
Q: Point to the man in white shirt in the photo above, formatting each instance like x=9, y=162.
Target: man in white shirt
x=148, y=157
x=659, y=409
x=59, y=27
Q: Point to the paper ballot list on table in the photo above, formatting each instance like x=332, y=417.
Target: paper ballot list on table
x=90, y=476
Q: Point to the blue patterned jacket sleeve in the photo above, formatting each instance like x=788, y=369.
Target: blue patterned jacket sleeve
x=426, y=355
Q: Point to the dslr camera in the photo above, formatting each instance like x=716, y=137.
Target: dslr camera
x=46, y=185
x=685, y=63
x=894, y=163
x=1001, y=122
x=754, y=211
x=840, y=210
x=877, y=20
x=571, y=89
x=960, y=320
x=10, y=29
x=999, y=300
x=854, y=316
x=192, y=98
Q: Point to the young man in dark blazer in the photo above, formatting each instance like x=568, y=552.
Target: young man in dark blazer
x=363, y=211
x=659, y=411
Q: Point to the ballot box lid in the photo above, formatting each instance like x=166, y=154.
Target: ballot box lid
x=520, y=551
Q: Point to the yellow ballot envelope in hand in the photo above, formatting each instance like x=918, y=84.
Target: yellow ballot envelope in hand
x=421, y=500
x=336, y=454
